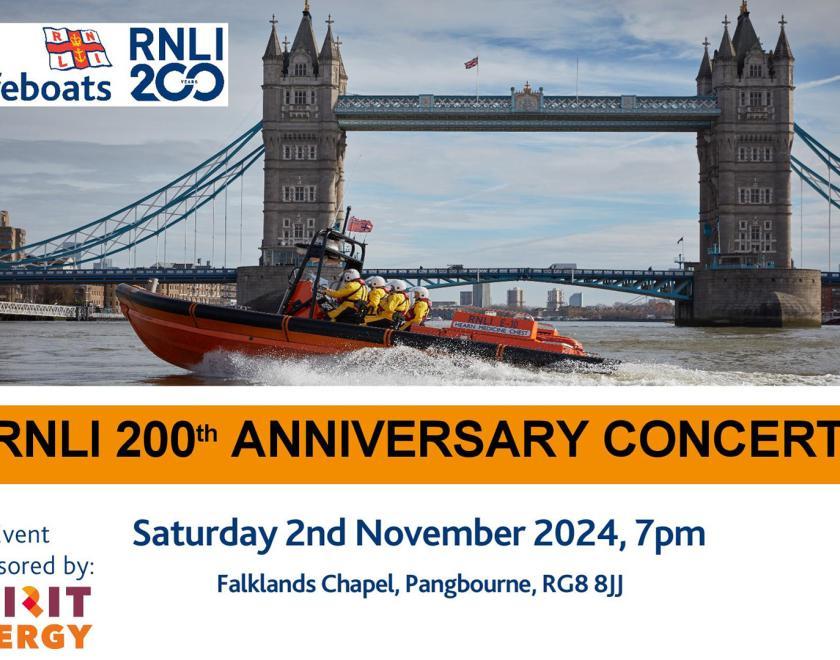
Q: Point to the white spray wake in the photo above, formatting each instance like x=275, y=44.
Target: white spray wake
x=408, y=366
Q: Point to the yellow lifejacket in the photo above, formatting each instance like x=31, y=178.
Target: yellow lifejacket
x=396, y=301
x=352, y=291
x=419, y=311
x=399, y=302
x=375, y=298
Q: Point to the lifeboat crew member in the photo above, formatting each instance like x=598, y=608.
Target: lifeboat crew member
x=392, y=309
x=419, y=310
x=351, y=296
x=378, y=291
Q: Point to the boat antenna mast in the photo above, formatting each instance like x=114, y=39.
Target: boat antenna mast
x=346, y=219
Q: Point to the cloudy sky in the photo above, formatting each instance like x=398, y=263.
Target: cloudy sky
x=601, y=200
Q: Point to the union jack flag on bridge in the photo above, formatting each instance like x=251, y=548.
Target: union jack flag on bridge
x=471, y=64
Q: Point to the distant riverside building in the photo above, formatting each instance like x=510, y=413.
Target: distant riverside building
x=201, y=292
x=11, y=238
x=555, y=300
x=466, y=298
x=481, y=295
x=516, y=297
x=576, y=300
x=830, y=298
x=73, y=254
x=104, y=296
x=86, y=295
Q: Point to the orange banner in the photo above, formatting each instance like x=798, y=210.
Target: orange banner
x=419, y=444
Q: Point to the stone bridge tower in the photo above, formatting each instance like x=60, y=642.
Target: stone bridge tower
x=745, y=195
x=304, y=146
x=745, y=275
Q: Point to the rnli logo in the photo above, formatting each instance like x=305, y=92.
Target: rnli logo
x=74, y=49
x=90, y=64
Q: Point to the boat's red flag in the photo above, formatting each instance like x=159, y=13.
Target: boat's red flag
x=360, y=225
x=471, y=64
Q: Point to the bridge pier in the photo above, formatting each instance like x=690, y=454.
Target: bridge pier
x=766, y=298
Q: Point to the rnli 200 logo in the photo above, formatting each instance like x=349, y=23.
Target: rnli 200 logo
x=176, y=65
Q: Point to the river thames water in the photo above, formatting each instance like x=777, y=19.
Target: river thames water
x=108, y=353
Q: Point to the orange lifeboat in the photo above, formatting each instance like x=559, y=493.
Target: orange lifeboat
x=183, y=332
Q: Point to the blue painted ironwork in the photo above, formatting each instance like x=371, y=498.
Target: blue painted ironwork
x=22, y=276
x=554, y=113
x=668, y=284
x=819, y=183
x=822, y=152
x=146, y=218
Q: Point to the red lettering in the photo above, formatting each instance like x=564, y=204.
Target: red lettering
x=78, y=595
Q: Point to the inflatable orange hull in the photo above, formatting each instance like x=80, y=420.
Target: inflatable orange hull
x=182, y=333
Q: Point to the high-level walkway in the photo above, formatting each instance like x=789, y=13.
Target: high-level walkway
x=427, y=112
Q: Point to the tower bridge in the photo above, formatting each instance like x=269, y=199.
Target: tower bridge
x=741, y=111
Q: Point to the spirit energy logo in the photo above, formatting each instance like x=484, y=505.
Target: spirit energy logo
x=40, y=618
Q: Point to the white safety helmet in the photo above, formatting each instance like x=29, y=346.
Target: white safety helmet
x=397, y=285
x=376, y=282
x=420, y=292
x=350, y=274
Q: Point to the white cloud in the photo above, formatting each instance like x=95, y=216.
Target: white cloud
x=811, y=84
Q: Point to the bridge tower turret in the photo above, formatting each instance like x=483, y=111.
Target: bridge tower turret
x=705, y=87
x=304, y=158
x=745, y=202
x=704, y=75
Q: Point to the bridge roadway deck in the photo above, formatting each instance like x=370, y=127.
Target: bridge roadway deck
x=669, y=284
